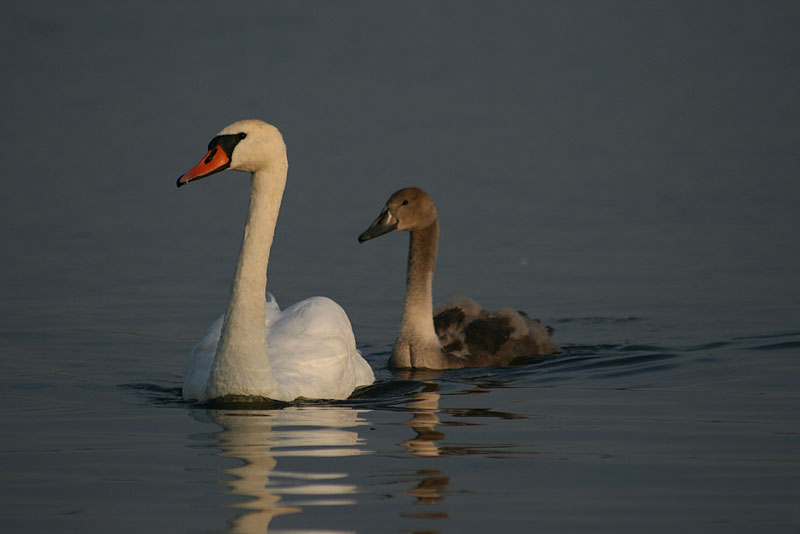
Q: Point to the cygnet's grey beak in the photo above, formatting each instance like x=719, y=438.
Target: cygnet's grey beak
x=385, y=223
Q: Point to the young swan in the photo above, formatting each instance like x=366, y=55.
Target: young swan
x=461, y=334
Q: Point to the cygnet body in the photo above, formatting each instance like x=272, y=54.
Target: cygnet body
x=459, y=334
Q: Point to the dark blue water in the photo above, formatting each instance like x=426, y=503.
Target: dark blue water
x=625, y=171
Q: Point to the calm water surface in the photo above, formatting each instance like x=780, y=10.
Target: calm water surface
x=625, y=171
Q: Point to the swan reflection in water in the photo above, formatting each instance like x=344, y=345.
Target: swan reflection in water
x=424, y=406
x=432, y=484
x=425, y=420
x=260, y=437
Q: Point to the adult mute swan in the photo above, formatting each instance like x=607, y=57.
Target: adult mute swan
x=255, y=349
x=461, y=334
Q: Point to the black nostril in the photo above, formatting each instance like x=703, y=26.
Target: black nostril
x=210, y=156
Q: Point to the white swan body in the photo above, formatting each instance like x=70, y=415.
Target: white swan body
x=311, y=348
x=254, y=348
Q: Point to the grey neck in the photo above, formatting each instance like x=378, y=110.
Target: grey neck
x=417, y=344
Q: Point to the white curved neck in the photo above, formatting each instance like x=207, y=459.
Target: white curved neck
x=241, y=364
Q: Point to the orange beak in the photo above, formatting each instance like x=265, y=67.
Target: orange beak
x=215, y=161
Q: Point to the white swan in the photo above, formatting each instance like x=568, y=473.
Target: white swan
x=255, y=349
x=462, y=334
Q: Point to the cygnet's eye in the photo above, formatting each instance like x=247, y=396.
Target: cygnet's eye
x=405, y=202
x=242, y=135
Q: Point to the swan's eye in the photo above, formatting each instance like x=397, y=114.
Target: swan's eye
x=405, y=202
x=242, y=135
